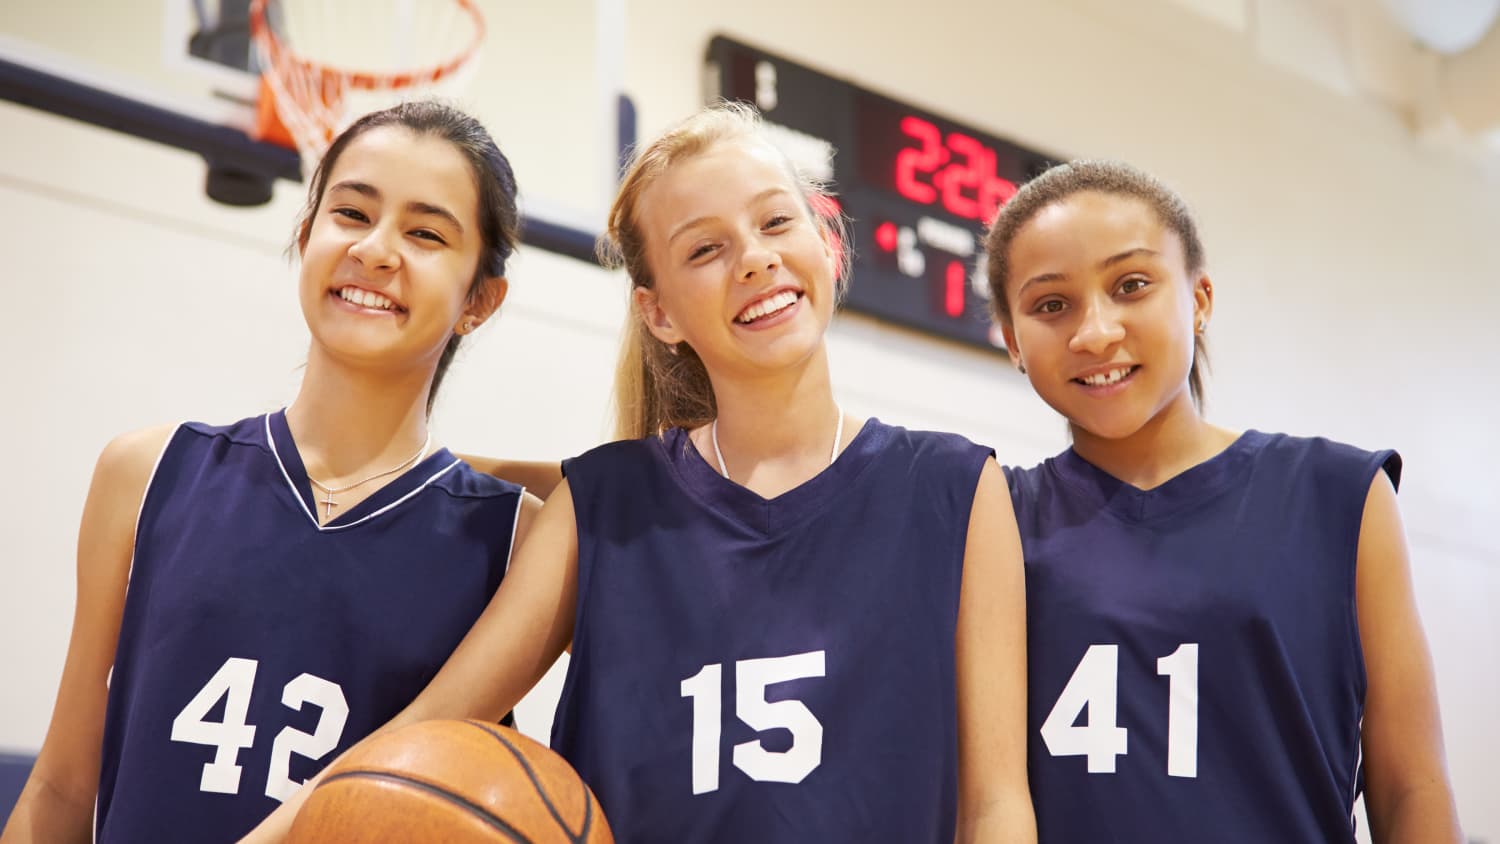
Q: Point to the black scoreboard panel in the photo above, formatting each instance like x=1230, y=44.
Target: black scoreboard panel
x=918, y=188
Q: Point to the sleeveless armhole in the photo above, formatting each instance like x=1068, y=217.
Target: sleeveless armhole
x=135, y=540
x=146, y=497
x=1388, y=461
x=580, y=471
x=515, y=522
x=973, y=471
x=948, y=468
x=974, y=456
x=1392, y=467
x=975, y=459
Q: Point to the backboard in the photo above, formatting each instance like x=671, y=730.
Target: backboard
x=184, y=73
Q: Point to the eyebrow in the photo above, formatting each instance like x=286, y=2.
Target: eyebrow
x=699, y=220
x=1127, y=255
x=423, y=208
x=1137, y=252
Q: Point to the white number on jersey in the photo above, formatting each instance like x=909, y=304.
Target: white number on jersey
x=752, y=677
x=1181, y=668
x=704, y=689
x=324, y=737
x=1095, y=684
x=234, y=681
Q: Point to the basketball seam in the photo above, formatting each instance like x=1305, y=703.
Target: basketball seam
x=484, y=814
x=588, y=811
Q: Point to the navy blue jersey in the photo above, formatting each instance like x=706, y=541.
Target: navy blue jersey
x=753, y=670
x=257, y=645
x=1195, y=664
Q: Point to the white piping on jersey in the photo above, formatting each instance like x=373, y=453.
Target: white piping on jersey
x=515, y=522
x=297, y=494
x=140, y=509
x=1359, y=757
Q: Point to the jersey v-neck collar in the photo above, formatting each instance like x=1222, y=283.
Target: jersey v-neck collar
x=1188, y=488
x=387, y=498
x=767, y=516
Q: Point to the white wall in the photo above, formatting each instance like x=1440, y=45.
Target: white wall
x=1356, y=273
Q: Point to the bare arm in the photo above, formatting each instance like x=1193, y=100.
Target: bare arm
x=539, y=477
x=512, y=644
x=57, y=802
x=531, y=507
x=994, y=797
x=1407, y=793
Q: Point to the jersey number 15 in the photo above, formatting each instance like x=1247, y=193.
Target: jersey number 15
x=751, y=677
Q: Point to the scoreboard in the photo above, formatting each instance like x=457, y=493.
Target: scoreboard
x=918, y=188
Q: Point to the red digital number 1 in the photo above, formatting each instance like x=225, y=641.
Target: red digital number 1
x=955, y=279
x=924, y=159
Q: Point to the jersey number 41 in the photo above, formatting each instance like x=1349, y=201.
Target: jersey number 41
x=1095, y=684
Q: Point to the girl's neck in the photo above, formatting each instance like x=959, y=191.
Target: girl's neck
x=1174, y=440
x=347, y=421
x=775, y=433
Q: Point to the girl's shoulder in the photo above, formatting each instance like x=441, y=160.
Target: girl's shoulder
x=1321, y=460
x=626, y=453
x=250, y=432
x=929, y=442
x=131, y=458
x=1266, y=453
x=1271, y=471
x=467, y=481
x=939, y=464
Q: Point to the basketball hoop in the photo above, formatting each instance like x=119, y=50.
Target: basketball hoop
x=324, y=63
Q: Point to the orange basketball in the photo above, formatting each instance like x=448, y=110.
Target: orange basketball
x=451, y=781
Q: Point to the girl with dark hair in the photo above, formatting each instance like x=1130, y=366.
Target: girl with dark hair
x=788, y=623
x=254, y=598
x=1223, y=640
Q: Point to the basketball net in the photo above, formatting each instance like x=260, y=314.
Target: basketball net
x=325, y=63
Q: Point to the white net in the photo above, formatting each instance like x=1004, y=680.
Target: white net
x=326, y=62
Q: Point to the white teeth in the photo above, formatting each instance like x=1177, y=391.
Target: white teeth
x=767, y=306
x=1104, y=379
x=366, y=298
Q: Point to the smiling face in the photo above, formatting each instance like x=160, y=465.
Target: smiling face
x=1103, y=312
x=391, y=251
x=742, y=271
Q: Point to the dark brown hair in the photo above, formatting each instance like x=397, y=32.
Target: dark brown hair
x=499, y=216
x=1109, y=177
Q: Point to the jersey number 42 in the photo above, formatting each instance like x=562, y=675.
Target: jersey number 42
x=232, y=683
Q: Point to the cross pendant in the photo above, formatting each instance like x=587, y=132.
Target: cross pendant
x=328, y=506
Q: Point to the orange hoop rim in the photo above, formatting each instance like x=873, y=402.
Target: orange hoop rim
x=270, y=42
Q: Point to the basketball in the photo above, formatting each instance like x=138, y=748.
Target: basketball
x=451, y=781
